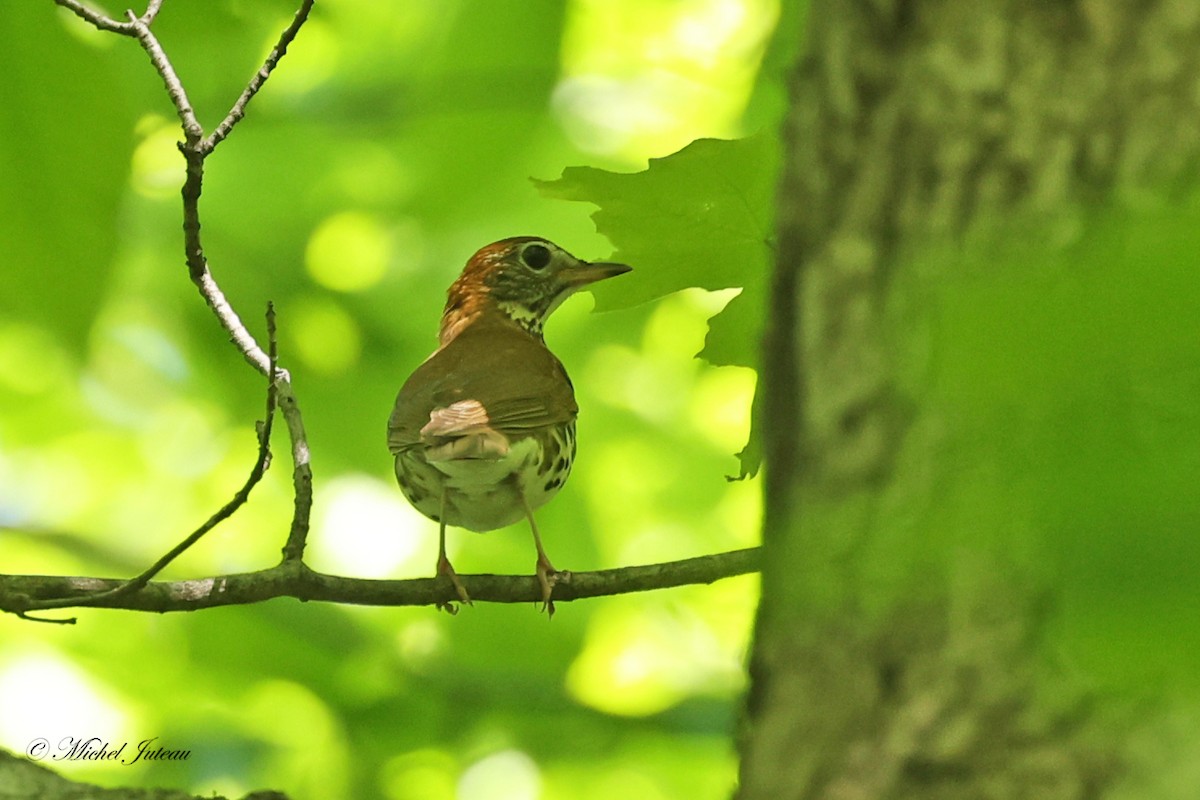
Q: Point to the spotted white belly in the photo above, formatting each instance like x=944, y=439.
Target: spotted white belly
x=482, y=494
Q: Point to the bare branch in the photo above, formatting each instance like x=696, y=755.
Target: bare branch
x=192, y=130
x=19, y=593
x=239, y=108
x=48, y=620
x=99, y=20
x=262, y=461
x=151, y=11
x=291, y=578
x=302, y=477
x=195, y=149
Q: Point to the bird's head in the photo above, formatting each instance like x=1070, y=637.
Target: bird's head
x=523, y=278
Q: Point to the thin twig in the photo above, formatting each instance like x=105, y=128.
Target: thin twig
x=47, y=620
x=192, y=130
x=20, y=593
x=195, y=149
x=238, y=111
x=151, y=11
x=302, y=478
x=261, y=463
x=99, y=20
x=109, y=24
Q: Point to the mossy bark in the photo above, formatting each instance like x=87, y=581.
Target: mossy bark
x=897, y=644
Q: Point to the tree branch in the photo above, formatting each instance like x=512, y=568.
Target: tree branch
x=261, y=462
x=195, y=149
x=107, y=23
x=239, y=108
x=192, y=130
x=21, y=593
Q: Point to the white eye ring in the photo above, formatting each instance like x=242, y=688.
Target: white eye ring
x=536, y=256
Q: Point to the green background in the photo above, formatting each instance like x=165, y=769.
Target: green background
x=393, y=141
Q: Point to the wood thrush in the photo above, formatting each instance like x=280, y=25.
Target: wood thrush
x=484, y=430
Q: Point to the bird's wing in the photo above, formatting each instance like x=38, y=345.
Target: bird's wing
x=492, y=382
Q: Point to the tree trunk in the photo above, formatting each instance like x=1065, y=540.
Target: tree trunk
x=896, y=650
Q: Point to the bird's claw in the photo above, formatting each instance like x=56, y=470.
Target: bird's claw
x=548, y=577
x=445, y=570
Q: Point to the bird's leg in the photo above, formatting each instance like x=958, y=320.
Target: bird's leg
x=443, y=564
x=547, y=575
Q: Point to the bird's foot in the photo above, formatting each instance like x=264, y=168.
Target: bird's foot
x=548, y=577
x=444, y=569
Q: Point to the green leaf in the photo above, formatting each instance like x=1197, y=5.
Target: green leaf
x=702, y=217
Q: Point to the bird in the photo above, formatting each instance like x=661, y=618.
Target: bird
x=483, y=431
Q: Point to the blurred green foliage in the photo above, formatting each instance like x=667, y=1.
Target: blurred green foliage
x=393, y=141
x=1076, y=368
x=58, y=115
x=1057, y=370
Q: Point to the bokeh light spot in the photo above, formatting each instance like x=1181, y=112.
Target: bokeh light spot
x=719, y=408
x=157, y=166
x=646, y=78
x=365, y=528
x=628, y=666
x=308, y=66
x=325, y=337
x=79, y=707
x=507, y=775
x=310, y=741
x=348, y=252
x=420, y=775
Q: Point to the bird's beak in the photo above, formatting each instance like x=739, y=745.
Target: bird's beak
x=590, y=272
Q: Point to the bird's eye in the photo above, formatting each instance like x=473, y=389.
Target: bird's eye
x=536, y=256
